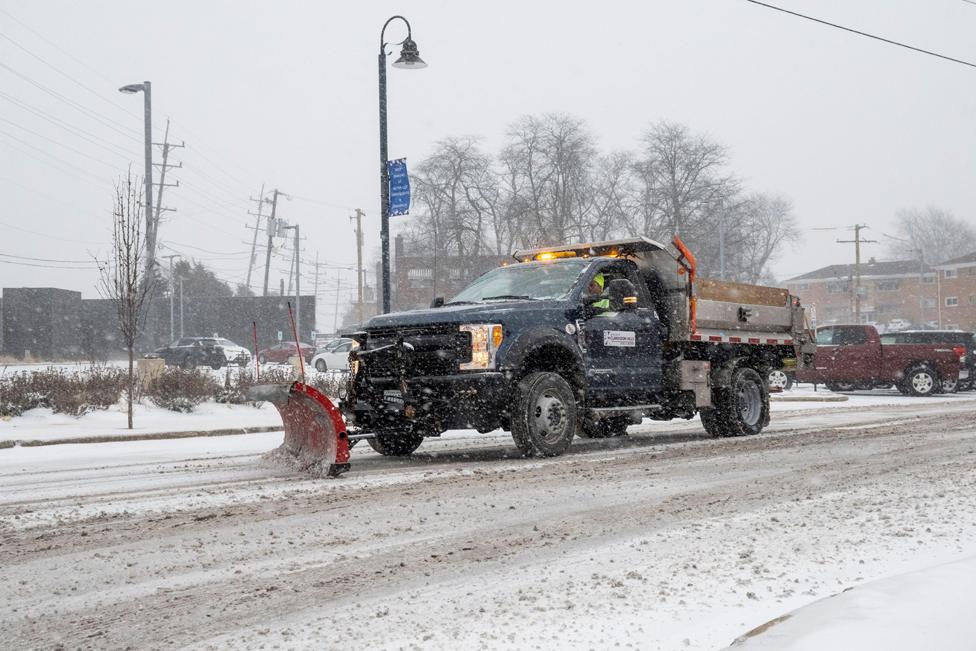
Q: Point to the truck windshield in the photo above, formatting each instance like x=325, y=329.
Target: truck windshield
x=533, y=280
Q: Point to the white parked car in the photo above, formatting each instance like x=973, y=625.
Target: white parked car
x=897, y=325
x=235, y=354
x=334, y=355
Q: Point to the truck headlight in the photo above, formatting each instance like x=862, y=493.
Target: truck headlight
x=486, y=338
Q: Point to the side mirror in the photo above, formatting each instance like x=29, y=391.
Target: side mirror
x=437, y=302
x=622, y=294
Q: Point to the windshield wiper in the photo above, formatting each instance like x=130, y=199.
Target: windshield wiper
x=509, y=296
x=461, y=303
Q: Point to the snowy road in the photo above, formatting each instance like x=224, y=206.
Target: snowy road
x=663, y=540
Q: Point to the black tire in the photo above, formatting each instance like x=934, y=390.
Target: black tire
x=321, y=366
x=780, y=378
x=742, y=409
x=393, y=443
x=262, y=359
x=921, y=380
x=216, y=365
x=950, y=386
x=966, y=385
x=544, y=416
x=187, y=364
x=604, y=428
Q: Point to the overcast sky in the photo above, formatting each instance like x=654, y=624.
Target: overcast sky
x=285, y=94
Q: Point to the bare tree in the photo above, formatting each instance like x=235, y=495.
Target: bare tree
x=124, y=279
x=548, y=165
x=938, y=233
x=681, y=182
x=767, y=224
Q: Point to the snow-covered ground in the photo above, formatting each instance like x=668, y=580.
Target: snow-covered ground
x=931, y=608
x=665, y=539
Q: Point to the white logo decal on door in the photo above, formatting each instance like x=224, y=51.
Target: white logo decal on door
x=619, y=338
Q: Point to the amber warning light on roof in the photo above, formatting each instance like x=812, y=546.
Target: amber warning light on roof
x=552, y=255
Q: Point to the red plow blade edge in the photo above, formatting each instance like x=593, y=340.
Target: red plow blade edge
x=315, y=434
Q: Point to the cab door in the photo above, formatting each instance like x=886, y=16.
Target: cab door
x=622, y=348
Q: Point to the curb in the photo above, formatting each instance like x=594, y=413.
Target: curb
x=825, y=398
x=118, y=438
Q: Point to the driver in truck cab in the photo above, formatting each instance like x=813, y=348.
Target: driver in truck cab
x=596, y=289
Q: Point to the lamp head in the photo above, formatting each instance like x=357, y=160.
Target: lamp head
x=409, y=56
x=130, y=89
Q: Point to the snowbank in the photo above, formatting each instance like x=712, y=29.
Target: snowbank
x=928, y=609
x=43, y=425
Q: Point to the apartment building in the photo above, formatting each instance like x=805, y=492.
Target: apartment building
x=936, y=296
x=957, y=291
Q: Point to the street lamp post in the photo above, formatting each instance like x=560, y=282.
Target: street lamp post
x=146, y=89
x=409, y=59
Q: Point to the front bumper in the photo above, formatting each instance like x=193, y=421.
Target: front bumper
x=433, y=403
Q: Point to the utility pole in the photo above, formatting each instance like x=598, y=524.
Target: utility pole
x=296, y=258
x=172, y=293
x=271, y=234
x=166, y=147
x=315, y=291
x=257, y=227
x=857, y=242
x=298, y=284
x=181, y=307
x=359, y=259
x=335, y=322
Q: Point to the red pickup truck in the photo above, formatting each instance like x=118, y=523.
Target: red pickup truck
x=852, y=357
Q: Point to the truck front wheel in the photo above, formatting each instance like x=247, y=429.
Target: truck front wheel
x=740, y=409
x=393, y=443
x=544, y=417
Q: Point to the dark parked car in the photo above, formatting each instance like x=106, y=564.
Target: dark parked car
x=947, y=337
x=190, y=352
x=279, y=353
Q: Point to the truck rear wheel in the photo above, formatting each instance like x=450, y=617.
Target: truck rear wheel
x=392, y=443
x=544, y=418
x=741, y=409
x=921, y=380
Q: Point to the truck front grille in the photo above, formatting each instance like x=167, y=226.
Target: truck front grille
x=436, y=350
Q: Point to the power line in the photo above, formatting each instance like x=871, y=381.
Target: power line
x=57, y=161
x=86, y=135
x=323, y=202
x=24, y=257
x=860, y=33
x=67, y=76
x=70, y=102
x=48, y=266
x=60, y=144
x=55, y=46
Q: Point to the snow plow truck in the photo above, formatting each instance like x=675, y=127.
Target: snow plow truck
x=577, y=340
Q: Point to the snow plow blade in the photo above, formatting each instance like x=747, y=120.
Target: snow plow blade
x=315, y=434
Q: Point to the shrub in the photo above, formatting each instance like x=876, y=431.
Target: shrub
x=181, y=390
x=73, y=393
x=237, y=383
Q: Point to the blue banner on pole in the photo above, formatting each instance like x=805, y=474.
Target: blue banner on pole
x=399, y=186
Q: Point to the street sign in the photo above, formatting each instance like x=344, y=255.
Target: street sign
x=399, y=186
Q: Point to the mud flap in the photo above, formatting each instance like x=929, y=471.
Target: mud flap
x=315, y=434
